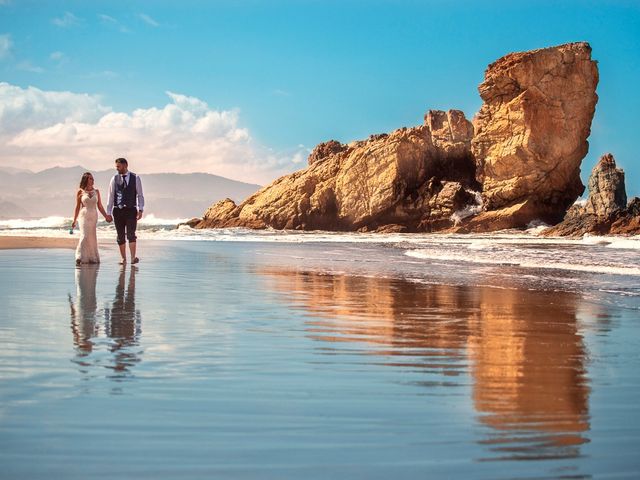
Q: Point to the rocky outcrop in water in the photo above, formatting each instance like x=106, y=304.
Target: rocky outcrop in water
x=412, y=179
x=519, y=161
x=531, y=134
x=605, y=210
x=607, y=193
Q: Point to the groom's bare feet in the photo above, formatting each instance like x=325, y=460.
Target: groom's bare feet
x=136, y=260
x=123, y=261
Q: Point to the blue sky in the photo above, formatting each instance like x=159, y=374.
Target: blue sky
x=256, y=84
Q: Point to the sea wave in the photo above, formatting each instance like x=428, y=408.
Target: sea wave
x=521, y=259
x=39, y=223
x=596, y=254
x=152, y=220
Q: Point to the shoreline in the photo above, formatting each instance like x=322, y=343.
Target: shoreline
x=18, y=242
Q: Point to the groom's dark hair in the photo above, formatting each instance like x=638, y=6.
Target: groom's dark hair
x=122, y=160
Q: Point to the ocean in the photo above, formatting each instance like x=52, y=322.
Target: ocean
x=274, y=355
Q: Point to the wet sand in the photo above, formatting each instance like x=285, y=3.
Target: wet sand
x=12, y=243
x=254, y=361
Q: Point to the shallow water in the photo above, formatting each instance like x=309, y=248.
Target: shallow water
x=317, y=360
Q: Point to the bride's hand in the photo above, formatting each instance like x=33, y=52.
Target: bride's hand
x=73, y=225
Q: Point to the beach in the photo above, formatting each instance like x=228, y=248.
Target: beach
x=357, y=249
x=11, y=242
x=318, y=359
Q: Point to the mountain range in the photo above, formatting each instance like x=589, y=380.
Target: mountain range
x=51, y=192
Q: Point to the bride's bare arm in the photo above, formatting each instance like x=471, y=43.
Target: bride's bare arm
x=78, y=204
x=100, y=207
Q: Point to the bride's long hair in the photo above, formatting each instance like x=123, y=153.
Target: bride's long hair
x=85, y=179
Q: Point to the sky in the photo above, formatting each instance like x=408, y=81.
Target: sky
x=245, y=89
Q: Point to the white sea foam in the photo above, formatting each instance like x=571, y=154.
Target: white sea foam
x=47, y=222
x=624, y=243
x=520, y=259
x=167, y=229
x=151, y=219
x=469, y=210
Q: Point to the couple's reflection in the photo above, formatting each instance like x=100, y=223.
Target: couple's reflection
x=84, y=326
x=523, y=349
x=121, y=326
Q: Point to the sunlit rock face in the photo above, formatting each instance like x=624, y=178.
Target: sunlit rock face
x=531, y=133
x=519, y=161
x=413, y=179
x=607, y=192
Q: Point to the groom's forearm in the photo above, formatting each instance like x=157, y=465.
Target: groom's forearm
x=140, y=194
x=110, y=200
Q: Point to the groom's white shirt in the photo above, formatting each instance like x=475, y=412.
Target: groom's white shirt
x=117, y=178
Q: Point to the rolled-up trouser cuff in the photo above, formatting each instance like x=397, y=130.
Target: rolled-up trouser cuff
x=126, y=221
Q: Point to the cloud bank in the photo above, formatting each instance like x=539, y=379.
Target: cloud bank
x=41, y=129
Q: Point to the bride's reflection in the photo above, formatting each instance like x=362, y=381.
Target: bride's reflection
x=123, y=324
x=84, y=312
x=522, y=349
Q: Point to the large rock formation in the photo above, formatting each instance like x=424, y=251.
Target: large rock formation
x=605, y=210
x=412, y=179
x=530, y=137
x=531, y=134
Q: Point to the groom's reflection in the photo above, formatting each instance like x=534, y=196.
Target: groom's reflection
x=123, y=324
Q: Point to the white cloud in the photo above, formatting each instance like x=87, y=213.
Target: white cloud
x=148, y=20
x=33, y=109
x=41, y=129
x=5, y=46
x=112, y=22
x=109, y=74
x=107, y=18
x=66, y=21
x=27, y=66
x=298, y=157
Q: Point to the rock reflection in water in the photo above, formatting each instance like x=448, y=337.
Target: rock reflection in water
x=528, y=365
x=522, y=349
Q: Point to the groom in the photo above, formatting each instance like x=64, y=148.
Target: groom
x=126, y=202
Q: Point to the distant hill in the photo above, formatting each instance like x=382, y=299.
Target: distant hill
x=25, y=194
x=10, y=210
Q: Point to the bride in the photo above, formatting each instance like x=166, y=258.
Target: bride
x=88, y=202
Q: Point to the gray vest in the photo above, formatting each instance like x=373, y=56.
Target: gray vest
x=126, y=197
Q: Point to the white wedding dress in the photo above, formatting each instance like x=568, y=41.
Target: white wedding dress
x=87, y=250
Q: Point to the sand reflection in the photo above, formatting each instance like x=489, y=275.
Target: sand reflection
x=522, y=349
